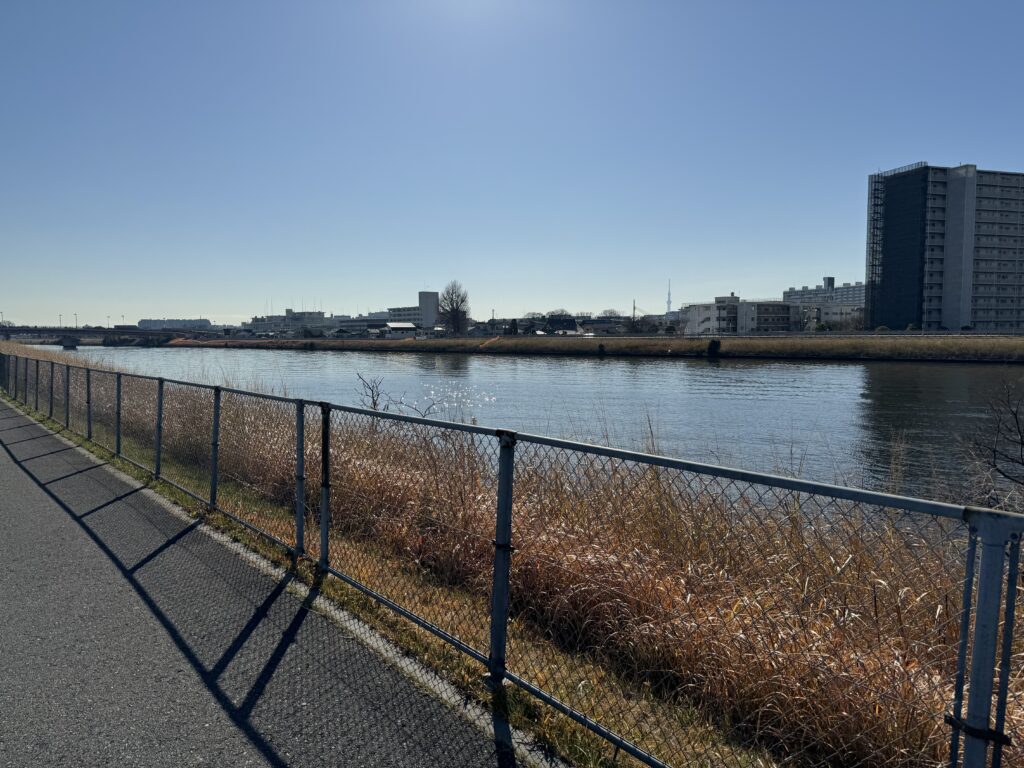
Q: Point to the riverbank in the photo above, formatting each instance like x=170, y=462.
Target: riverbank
x=997, y=349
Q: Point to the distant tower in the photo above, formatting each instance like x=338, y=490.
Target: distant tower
x=668, y=301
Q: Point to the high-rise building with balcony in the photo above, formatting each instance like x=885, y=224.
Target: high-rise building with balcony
x=945, y=249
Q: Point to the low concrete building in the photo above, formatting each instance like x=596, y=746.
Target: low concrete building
x=768, y=317
x=289, y=322
x=719, y=317
x=400, y=330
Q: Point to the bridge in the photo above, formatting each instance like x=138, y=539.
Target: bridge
x=55, y=331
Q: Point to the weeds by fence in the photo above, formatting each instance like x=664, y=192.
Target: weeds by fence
x=687, y=614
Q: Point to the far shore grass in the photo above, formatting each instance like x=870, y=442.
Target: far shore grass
x=996, y=349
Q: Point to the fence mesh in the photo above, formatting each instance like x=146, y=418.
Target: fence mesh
x=138, y=420
x=257, y=462
x=32, y=384
x=77, y=401
x=723, y=621
x=60, y=405
x=412, y=517
x=186, y=437
x=45, y=382
x=103, y=387
x=312, y=469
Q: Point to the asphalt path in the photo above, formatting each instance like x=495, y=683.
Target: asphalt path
x=129, y=636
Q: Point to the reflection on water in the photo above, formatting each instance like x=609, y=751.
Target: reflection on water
x=847, y=422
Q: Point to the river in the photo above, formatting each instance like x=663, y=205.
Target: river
x=884, y=425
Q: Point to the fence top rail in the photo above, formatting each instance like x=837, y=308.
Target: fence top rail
x=875, y=498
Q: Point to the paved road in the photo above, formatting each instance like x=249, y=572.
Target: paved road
x=128, y=636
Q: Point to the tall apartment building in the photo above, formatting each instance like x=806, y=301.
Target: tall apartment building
x=945, y=249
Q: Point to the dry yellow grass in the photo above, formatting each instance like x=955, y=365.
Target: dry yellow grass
x=706, y=620
x=824, y=347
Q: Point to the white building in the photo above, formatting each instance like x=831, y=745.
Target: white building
x=423, y=314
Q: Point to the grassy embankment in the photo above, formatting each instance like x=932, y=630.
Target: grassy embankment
x=1006, y=349
x=707, y=623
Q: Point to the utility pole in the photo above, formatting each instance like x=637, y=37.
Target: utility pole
x=60, y=321
x=76, y=320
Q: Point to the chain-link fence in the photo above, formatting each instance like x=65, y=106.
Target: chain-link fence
x=668, y=613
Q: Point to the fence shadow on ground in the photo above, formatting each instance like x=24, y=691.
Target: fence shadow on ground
x=300, y=689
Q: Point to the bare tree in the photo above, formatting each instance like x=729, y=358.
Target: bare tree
x=610, y=313
x=559, y=313
x=453, y=307
x=998, y=451
x=372, y=396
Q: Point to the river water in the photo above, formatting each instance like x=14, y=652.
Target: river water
x=885, y=425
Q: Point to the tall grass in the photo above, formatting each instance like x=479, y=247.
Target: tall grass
x=660, y=602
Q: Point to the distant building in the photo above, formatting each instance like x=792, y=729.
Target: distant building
x=768, y=317
x=177, y=325
x=400, y=330
x=361, y=324
x=562, y=325
x=719, y=317
x=827, y=293
x=838, y=316
x=945, y=249
x=289, y=322
x=424, y=314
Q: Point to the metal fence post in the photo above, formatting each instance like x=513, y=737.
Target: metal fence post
x=159, y=425
x=300, y=478
x=36, y=406
x=502, y=560
x=67, y=396
x=325, y=482
x=117, y=414
x=214, y=446
x=88, y=404
x=994, y=533
x=24, y=384
x=49, y=408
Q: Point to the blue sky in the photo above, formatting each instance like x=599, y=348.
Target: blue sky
x=208, y=158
